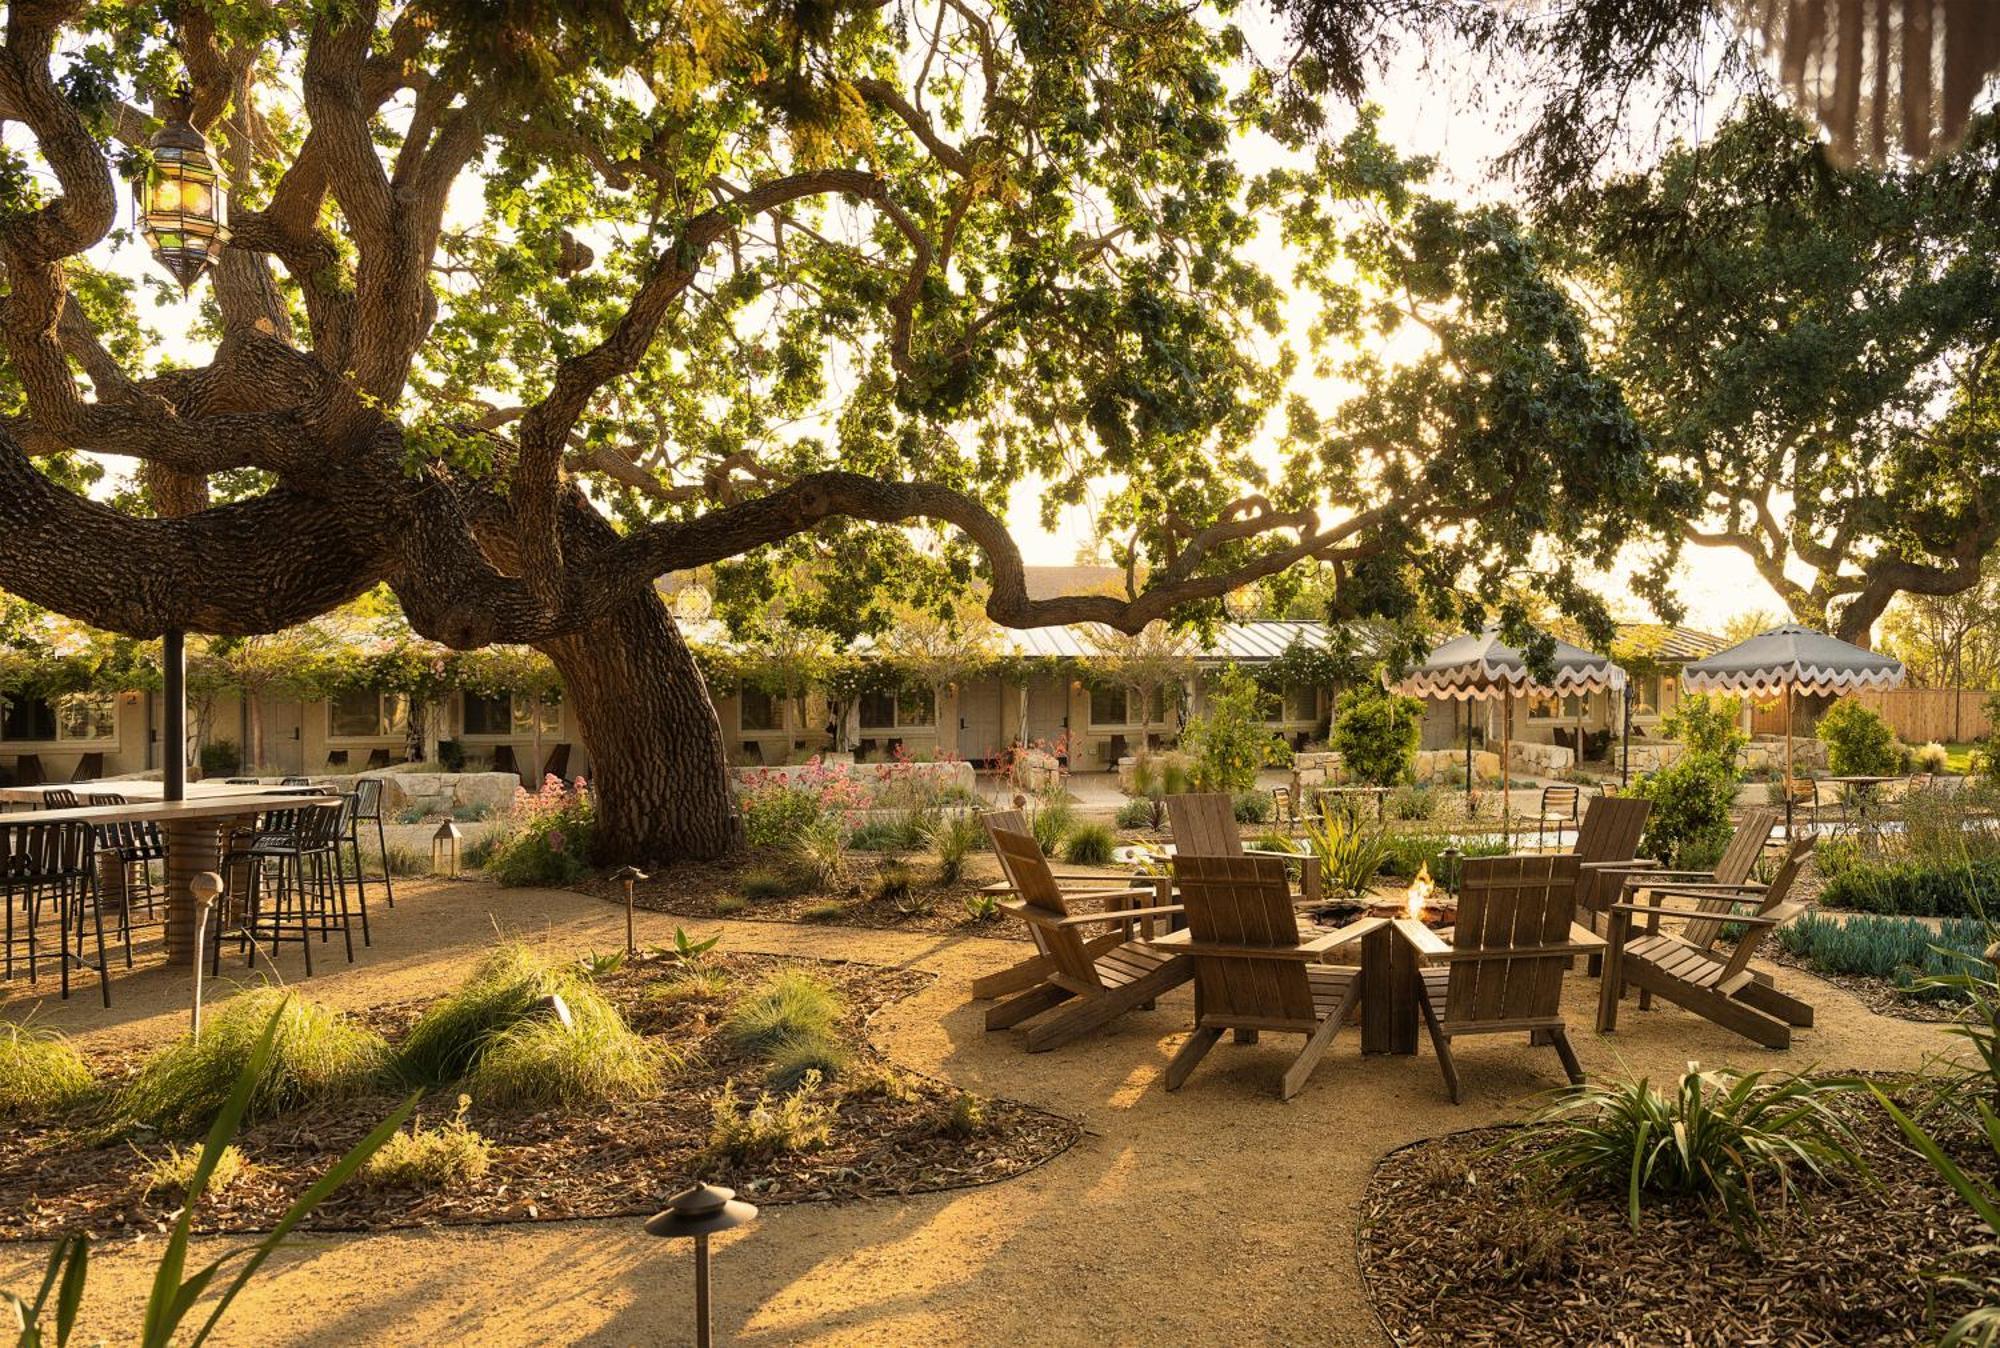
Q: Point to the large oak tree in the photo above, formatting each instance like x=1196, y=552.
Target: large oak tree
x=527, y=305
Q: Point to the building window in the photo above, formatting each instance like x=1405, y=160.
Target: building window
x=910, y=709
x=1548, y=707
x=364, y=714
x=1646, y=695
x=487, y=715
x=1109, y=706
x=71, y=718
x=1301, y=703
x=915, y=708
x=758, y=710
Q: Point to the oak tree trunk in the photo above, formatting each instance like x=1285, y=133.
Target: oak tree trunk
x=655, y=744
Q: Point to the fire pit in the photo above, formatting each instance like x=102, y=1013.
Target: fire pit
x=1422, y=900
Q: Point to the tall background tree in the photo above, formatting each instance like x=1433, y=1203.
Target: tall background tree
x=525, y=307
x=1817, y=351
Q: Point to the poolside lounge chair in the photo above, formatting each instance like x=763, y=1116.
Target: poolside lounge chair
x=503, y=761
x=557, y=765
x=1502, y=973
x=1204, y=825
x=89, y=767
x=1077, y=890
x=1089, y=981
x=1692, y=975
x=1252, y=972
x=28, y=770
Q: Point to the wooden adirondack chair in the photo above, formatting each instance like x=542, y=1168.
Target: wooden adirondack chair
x=1732, y=871
x=1204, y=825
x=1100, y=892
x=1692, y=975
x=557, y=765
x=1502, y=973
x=1607, y=848
x=1101, y=977
x=1252, y=972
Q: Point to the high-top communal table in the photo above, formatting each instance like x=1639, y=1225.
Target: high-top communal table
x=193, y=829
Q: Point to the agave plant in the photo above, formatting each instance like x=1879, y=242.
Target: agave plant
x=1720, y=1135
x=1351, y=854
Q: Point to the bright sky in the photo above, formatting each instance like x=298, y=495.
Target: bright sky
x=1424, y=112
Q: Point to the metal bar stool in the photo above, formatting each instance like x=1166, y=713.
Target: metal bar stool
x=367, y=809
x=40, y=863
x=296, y=884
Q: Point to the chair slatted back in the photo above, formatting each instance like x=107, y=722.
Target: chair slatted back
x=1733, y=867
x=1246, y=902
x=1028, y=871
x=1504, y=904
x=1204, y=825
x=89, y=767
x=1780, y=889
x=59, y=798
x=1611, y=829
x=1562, y=800
x=1281, y=805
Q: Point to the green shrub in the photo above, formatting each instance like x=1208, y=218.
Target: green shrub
x=1090, y=844
x=791, y=1004
x=893, y=882
x=777, y=810
x=1137, y=814
x=967, y=1116
x=830, y=911
x=1252, y=807
x=951, y=842
x=982, y=907
x=730, y=904
x=1409, y=853
x=1229, y=742
x=795, y=1121
x=1858, y=742
x=41, y=1073
x=1911, y=888
x=446, y=1157
x=318, y=1054
x=1351, y=853
x=220, y=758
x=1931, y=757
x=1721, y=1136
x=173, y=1171
x=449, y=1038
x=546, y=839
x=765, y=883
x=791, y=1061
x=1708, y=723
x=690, y=985
x=1409, y=802
x=1376, y=733
x=540, y=1063
x=1904, y=950
x=1050, y=820
x=402, y=859
x=1692, y=797
x=879, y=835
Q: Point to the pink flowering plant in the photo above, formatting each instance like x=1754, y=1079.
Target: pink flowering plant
x=546, y=837
x=779, y=805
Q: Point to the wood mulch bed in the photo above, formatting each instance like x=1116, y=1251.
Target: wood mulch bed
x=692, y=889
x=894, y=1135
x=1462, y=1247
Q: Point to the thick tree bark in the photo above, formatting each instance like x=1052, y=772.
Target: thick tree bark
x=655, y=744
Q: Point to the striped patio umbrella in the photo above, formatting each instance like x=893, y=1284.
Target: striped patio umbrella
x=1480, y=667
x=1789, y=660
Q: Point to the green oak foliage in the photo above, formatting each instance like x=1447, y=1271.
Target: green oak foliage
x=1813, y=350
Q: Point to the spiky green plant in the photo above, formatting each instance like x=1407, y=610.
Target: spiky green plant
x=951, y=841
x=819, y=853
x=1089, y=844
x=316, y=1054
x=1721, y=1135
x=1926, y=962
x=1051, y=819
x=1351, y=853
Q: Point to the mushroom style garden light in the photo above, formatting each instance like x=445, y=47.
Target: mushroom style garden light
x=699, y=1213
x=182, y=203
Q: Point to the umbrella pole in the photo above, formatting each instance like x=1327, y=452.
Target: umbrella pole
x=1506, y=763
x=1470, y=793
x=1791, y=801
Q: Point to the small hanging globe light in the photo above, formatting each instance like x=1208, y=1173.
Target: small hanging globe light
x=182, y=204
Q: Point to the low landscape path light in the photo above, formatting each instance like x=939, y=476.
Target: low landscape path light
x=699, y=1213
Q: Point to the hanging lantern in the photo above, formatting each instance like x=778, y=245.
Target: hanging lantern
x=182, y=204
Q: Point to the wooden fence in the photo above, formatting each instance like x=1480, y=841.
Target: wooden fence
x=1919, y=715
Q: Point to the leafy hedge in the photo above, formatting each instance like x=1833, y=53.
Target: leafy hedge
x=1915, y=889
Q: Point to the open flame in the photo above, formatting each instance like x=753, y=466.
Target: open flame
x=1420, y=892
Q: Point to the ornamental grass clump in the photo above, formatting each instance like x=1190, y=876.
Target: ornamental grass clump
x=539, y=1062
x=41, y=1073
x=172, y=1173
x=1090, y=844
x=789, y=1005
x=1720, y=1136
x=951, y=841
x=317, y=1054
x=449, y=1039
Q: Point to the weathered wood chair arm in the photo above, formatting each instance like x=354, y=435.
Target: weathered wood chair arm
x=1423, y=939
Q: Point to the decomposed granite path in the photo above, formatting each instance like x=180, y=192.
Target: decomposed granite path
x=1213, y=1215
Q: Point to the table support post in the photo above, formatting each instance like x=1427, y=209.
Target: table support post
x=193, y=848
